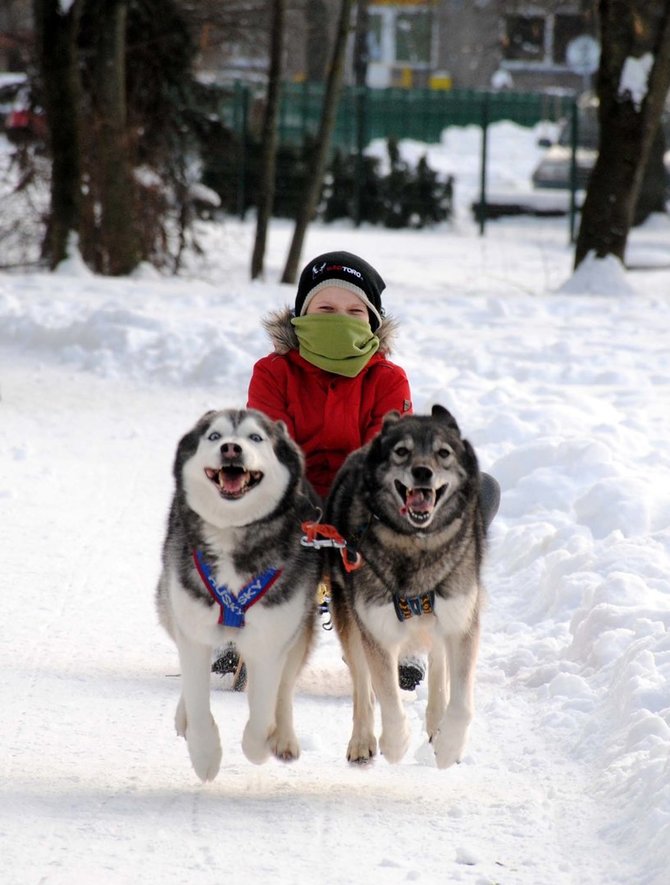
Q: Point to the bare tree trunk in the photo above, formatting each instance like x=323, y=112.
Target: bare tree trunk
x=56, y=49
x=361, y=62
x=318, y=27
x=266, y=186
x=120, y=252
x=628, y=123
x=327, y=124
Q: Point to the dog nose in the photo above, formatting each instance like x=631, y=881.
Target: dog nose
x=422, y=474
x=230, y=451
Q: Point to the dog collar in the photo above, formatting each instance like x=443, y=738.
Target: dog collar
x=408, y=606
x=233, y=607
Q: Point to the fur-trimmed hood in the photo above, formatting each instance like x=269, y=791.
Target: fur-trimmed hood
x=282, y=334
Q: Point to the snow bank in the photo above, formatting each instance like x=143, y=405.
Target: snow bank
x=598, y=276
x=566, y=399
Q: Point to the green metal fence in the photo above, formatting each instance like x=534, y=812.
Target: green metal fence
x=421, y=114
x=364, y=114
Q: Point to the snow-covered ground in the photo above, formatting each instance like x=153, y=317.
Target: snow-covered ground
x=562, y=385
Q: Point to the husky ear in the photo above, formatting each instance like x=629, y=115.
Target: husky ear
x=288, y=453
x=188, y=444
x=445, y=415
x=390, y=418
x=470, y=461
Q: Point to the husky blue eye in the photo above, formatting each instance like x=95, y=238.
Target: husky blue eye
x=214, y=435
x=255, y=437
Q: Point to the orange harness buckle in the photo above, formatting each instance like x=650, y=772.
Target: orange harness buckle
x=330, y=537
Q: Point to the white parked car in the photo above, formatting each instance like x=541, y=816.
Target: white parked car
x=553, y=170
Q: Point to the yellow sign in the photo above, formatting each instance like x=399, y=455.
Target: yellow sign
x=405, y=78
x=440, y=81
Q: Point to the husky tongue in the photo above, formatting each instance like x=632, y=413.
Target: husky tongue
x=420, y=500
x=232, y=481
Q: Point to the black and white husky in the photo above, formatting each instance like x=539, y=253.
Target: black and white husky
x=408, y=505
x=234, y=570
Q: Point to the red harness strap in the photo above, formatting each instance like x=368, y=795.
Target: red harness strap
x=330, y=537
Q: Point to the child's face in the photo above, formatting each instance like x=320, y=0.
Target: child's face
x=333, y=300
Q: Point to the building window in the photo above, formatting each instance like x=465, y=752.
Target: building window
x=566, y=28
x=400, y=36
x=535, y=40
x=412, y=37
x=524, y=37
x=375, y=34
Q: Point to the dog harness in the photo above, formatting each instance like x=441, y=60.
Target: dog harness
x=409, y=606
x=234, y=607
x=406, y=607
x=330, y=537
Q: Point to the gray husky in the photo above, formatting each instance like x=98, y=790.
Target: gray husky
x=408, y=506
x=234, y=570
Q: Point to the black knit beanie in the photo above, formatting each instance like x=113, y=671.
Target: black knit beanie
x=347, y=271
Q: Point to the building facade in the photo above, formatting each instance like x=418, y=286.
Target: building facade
x=479, y=44
x=468, y=44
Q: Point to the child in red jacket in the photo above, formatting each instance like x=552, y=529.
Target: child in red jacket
x=329, y=378
x=330, y=381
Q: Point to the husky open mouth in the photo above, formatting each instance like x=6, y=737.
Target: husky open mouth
x=419, y=503
x=233, y=481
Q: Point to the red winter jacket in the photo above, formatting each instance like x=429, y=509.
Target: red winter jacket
x=328, y=415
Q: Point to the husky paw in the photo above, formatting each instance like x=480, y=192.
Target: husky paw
x=394, y=747
x=362, y=748
x=450, y=740
x=180, y=718
x=433, y=720
x=204, y=748
x=285, y=746
x=255, y=747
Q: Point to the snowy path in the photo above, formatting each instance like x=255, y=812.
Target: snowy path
x=566, y=398
x=95, y=786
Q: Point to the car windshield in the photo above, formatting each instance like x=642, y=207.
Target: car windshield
x=587, y=130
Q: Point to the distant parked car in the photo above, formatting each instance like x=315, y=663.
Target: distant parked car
x=22, y=119
x=10, y=86
x=25, y=124
x=553, y=170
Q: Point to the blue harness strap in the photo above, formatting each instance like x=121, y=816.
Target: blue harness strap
x=233, y=607
x=410, y=606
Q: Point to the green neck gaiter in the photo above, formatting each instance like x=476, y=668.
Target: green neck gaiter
x=335, y=343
